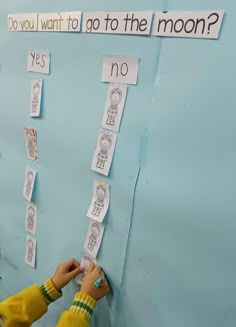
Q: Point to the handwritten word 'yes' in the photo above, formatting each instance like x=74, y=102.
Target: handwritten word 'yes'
x=39, y=61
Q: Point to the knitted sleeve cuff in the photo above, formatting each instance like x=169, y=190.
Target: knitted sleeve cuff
x=83, y=305
x=49, y=292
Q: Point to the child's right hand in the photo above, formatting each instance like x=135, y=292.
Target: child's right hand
x=90, y=278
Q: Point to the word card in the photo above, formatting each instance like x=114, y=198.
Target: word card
x=85, y=263
x=31, y=217
x=36, y=94
x=120, y=69
x=115, y=102
x=31, y=143
x=94, y=238
x=38, y=62
x=23, y=22
x=59, y=22
x=30, y=253
x=104, y=152
x=131, y=22
x=100, y=201
x=194, y=24
x=30, y=176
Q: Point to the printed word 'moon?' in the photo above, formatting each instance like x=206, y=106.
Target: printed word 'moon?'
x=196, y=24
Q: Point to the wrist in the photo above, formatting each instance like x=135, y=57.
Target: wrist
x=49, y=292
x=58, y=286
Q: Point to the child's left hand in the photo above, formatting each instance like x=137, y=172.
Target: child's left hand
x=65, y=272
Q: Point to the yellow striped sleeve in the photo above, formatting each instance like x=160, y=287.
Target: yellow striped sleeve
x=49, y=291
x=83, y=305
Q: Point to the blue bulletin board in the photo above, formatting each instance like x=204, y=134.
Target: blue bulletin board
x=169, y=243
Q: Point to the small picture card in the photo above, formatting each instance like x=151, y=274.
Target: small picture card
x=36, y=94
x=85, y=263
x=30, y=253
x=115, y=102
x=94, y=238
x=100, y=201
x=31, y=143
x=38, y=62
x=30, y=175
x=31, y=218
x=104, y=152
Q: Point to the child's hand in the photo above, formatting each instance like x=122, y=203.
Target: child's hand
x=90, y=278
x=65, y=272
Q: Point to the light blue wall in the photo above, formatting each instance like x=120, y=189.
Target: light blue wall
x=178, y=126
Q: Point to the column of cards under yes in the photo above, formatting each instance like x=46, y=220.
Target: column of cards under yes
x=38, y=61
x=118, y=71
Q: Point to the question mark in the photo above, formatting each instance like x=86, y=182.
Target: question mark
x=214, y=22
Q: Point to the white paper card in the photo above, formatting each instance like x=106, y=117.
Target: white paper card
x=100, y=201
x=30, y=175
x=85, y=263
x=194, y=24
x=31, y=143
x=131, y=22
x=38, y=62
x=115, y=102
x=120, y=69
x=59, y=22
x=23, y=22
x=104, y=152
x=36, y=95
x=31, y=218
x=30, y=253
x=94, y=238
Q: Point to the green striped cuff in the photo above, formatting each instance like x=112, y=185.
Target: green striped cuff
x=83, y=305
x=49, y=292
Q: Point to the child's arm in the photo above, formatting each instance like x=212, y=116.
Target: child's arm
x=84, y=303
x=31, y=304
x=28, y=306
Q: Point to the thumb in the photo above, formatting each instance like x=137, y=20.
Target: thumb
x=91, y=267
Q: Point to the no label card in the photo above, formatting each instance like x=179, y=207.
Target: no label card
x=120, y=69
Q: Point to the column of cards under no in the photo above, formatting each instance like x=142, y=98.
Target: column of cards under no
x=118, y=71
x=39, y=62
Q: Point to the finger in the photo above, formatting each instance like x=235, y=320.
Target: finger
x=71, y=264
x=105, y=282
x=91, y=267
x=98, y=270
x=68, y=263
x=76, y=263
x=75, y=272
